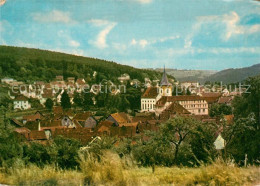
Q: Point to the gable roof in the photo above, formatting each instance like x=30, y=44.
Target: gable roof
x=82, y=116
x=37, y=135
x=223, y=100
x=129, y=124
x=34, y=117
x=16, y=122
x=57, y=110
x=150, y=92
x=177, y=108
x=164, y=99
x=120, y=117
x=22, y=130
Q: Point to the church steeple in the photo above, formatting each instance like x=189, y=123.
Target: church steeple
x=164, y=81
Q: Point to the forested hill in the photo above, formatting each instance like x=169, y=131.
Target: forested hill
x=34, y=64
x=234, y=75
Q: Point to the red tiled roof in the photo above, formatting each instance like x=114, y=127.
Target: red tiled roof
x=32, y=117
x=21, y=98
x=53, y=123
x=129, y=124
x=223, y=100
x=150, y=92
x=17, y=122
x=82, y=116
x=47, y=93
x=211, y=94
x=121, y=117
x=57, y=110
x=229, y=118
x=37, y=135
x=177, y=108
x=164, y=99
x=22, y=130
x=80, y=81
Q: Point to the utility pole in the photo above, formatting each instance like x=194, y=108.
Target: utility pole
x=245, y=160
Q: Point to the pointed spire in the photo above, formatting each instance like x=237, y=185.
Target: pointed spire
x=164, y=81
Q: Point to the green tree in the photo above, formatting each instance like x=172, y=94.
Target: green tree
x=65, y=100
x=87, y=102
x=78, y=101
x=220, y=109
x=176, y=130
x=49, y=103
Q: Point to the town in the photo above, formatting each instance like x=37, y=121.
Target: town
x=158, y=103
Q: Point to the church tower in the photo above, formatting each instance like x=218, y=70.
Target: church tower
x=165, y=87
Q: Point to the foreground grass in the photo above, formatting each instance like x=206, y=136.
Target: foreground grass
x=112, y=170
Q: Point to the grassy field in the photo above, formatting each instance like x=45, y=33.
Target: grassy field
x=112, y=170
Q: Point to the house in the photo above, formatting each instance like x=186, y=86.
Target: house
x=225, y=100
x=71, y=80
x=21, y=102
x=84, y=135
x=86, y=120
x=119, y=118
x=7, y=80
x=210, y=97
x=149, y=99
x=35, y=117
x=172, y=110
x=135, y=83
x=57, y=110
x=80, y=85
x=147, y=82
x=59, y=78
x=188, y=84
x=37, y=135
x=124, y=77
x=104, y=127
x=47, y=93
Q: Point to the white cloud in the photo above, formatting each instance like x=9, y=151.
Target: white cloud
x=2, y=2
x=145, y=42
x=144, y=1
x=142, y=43
x=231, y=23
x=54, y=16
x=65, y=36
x=232, y=27
x=100, y=41
x=74, y=43
x=133, y=42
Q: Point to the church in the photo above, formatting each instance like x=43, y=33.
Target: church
x=161, y=101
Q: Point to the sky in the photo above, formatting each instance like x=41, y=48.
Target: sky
x=182, y=34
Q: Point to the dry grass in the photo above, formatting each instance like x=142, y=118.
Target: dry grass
x=111, y=170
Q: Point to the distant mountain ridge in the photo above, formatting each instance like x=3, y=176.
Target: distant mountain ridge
x=188, y=75
x=29, y=64
x=234, y=75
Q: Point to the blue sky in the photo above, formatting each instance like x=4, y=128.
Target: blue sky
x=182, y=34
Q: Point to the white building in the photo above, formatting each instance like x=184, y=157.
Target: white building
x=153, y=94
x=7, y=80
x=159, y=99
x=22, y=103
